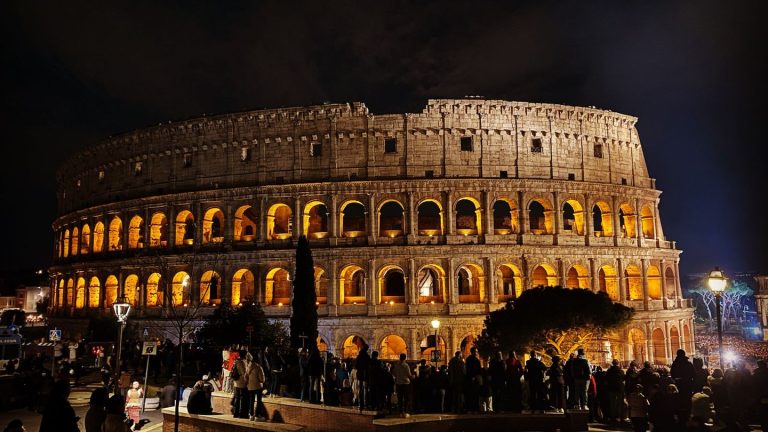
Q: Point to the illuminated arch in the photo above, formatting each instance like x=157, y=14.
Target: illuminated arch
x=85, y=239
x=653, y=279
x=674, y=338
x=75, y=239
x=185, y=228
x=602, y=220
x=60, y=244
x=427, y=345
x=670, y=281
x=430, y=284
x=659, y=346
x=130, y=289
x=352, y=285
x=577, y=277
x=647, y=222
x=609, y=282
x=351, y=346
x=210, y=288
x=634, y=282
x=352, y=219
x=110, y=291
x=321, y=286
x=213, y=226
x=509, y=282
x=66, y=243
x=94, y=292
x=245, y=224
x=637, y=345
x=70, y=291
x=391, y=347
x=60, y=294
x=430, y=218
x=153, y=291
x=468, y=216
x=278, y=287
x=544, y=275
x=540, y=216
x=315, y=220
x=573, y=217
x=392, y=284
x=115, y=234
x=467, y=342
x=243, y=286
x=279, y=222
x=158, y=230
x=391, y=219
x=136, y=233
x=471, y=283
x=98, y=237
x=80, y=293
x=627, y=220
x=179, y=288
x=505, y=217
x=688, y=341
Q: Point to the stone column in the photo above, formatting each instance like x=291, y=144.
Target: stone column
x=372, y=290
x=171, y=227
x=668, y=338
x=521, y=211
x=595, y=274
x=558, y=214
x=373, y=213
x=657, y=234
x=297, y=219
x=678, y=289
x=491, y=296
x=198, y=211
x=615, y=220
x=663, y=265
x=411, y=227
x=622, y=280
x=333, y=289
x=588, y=220
x=452, y=288
x=334, y=222
x=147, y=228
x=561, y=272
x=411, y=292
x=649, y=342
x=487, y=227
x=229, y=226
x=638, y=224
x=644, y=278
x=449, y=213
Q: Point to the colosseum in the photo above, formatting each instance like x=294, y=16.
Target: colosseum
x=445, y=214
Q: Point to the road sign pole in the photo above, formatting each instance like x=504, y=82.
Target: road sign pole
x=146, y=376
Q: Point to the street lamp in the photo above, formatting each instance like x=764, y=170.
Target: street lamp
x=436, y=352
x=122, y=308
x=717, y=282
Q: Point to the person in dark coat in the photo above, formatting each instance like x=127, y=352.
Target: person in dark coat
x=700, y=375
x=497, y=375
x=97, y=412
x=362, y=364
x=534, y=375
x=199, y=401
x=663, y=409
x=304, y=374
x=474, y=379
x=614, y=380
x=760, y=384
x=58, y=415
x=514, y=372
x=315, y=372
x=683, y=374
x=556, y=384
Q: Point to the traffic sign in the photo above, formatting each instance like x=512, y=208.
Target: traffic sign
x=146, y=332
x=54, y=335
x=149, y=349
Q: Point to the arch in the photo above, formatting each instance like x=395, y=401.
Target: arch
x=430, y=283
x=115, y=234
x=659, y=346
x=688, y=341
x=391, y=216
x=470, y=282
x=540, y=216
x=98, y=237
x=245, y=224
x=279, y=222
x=427, y=345
x=391, y=347
x=315, y=220
x=467, y=342
x=210, y=288
x=627, y=220
x=213, y=226
x=110, y=291
x=154, y=295
x=70, y=291
x=468, y=216
x=179, y=288
x=321, y=285
x=136, y=233
x=278, y=287
x=510, y=282
x=158, y=230
x=60, y=244
x=637, y=345
x=352, y=281
x=573, y=217
x=653, y=279
x=634, y=282
x=577, y=277
x=392, y=284
x=130, y=289
x=602, y=220
x=60, y=294
x=647, y=222
x=66, y=243
x=352, y=219
x=674, y=338
x=185, y=228
x=94, y=292
x=609, y=282
x=670, y=282
x=543, y=275
x=322, y=345
x=505, y=217
x=351, y=346
x=243, y=286
x=85, y=239
x=430, y=218
x=75, y=248
x=80, y=293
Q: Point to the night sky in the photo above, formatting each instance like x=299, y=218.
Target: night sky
x=693, y=72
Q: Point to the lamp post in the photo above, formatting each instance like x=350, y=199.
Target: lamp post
x=717, y=282
x=122, y=308
x=436, y=352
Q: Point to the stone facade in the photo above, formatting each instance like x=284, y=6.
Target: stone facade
x=442, y=214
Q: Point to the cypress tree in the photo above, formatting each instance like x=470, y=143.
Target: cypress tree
x=304, y=309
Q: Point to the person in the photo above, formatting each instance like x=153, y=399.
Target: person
x=440, y=386
x=256, y=379
x=514, y=372
x=240, y=380
x=168, y=394
x=15, y=425
x=498, y=383
x=362, y=363
x=662, y=409
x=580, y=373
x=304, y=374
x=700, y=374
x=199, y=401
x=375, y=382
x=116, y=421
x=474, y=378
x=760, y=384
x=58, y=415
x=637, y=405
x=133, y=402
x=614, y=380
x=402, y=373
x=716, y=382
x=701, y=408
x=534, y=376
x=631, y=378
x=683, y=373
x=97, y=412
x=315, y=374
x=457, y=373
x=556, y=385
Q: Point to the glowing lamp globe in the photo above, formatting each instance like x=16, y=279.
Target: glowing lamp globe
x=716, y=280
x=122, y=308
x=435, y=324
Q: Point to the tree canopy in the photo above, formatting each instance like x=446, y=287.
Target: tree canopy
x=304, y=302
x=554, y=320
x=229, y=325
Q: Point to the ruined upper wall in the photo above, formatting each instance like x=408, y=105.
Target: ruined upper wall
x=501, y=138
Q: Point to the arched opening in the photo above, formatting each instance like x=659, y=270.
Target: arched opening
x=674, y=339
x=352, y=219
x=653, y=279
x=70, y=291
x=245, y=224
x=659, y=348
x=279, y=222
x=430, y=282
x=430, y=218
x=136, y=233
x=154, y=296
x=352, y=346
x=85, y=237
x=540, y=217
x=466, y=345
x=544, y=275
x=185, y=228
x=391, y=219
x=158, y=230
x=392, y=285
x=634, y=282
x=573, y=217
x=469, y=279
x=278, y=287
x=637, y=345
x=110, y=291
x=75, y=241
x=510, y=282
x=670, y=282
x=352, y=285
x=505, y=217
x=115, y=234
x=243, y=287
x=210, y=288
x=468, y=217
x=130, y=289
x=98, y=237
x=80, y=294
x=687, y=339
x=646, y=220
x=391, y=347
x=60, y=244
x=66, y=243
x=180, y=288
x=321, y=286
x=627, y=220
x=94, y=292
x=322, y=345
x=577, y=277
x=427, y=346
x=315, y=220
x=60, y=294
x=609, y=282
x=601, y=219
x=213, y=226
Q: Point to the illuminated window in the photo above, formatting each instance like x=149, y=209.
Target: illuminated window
x=390, y=145
x=466, y=144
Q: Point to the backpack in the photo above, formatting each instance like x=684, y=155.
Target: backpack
x=235, y=374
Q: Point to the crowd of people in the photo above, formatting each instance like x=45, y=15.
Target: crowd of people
x=748, y=351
